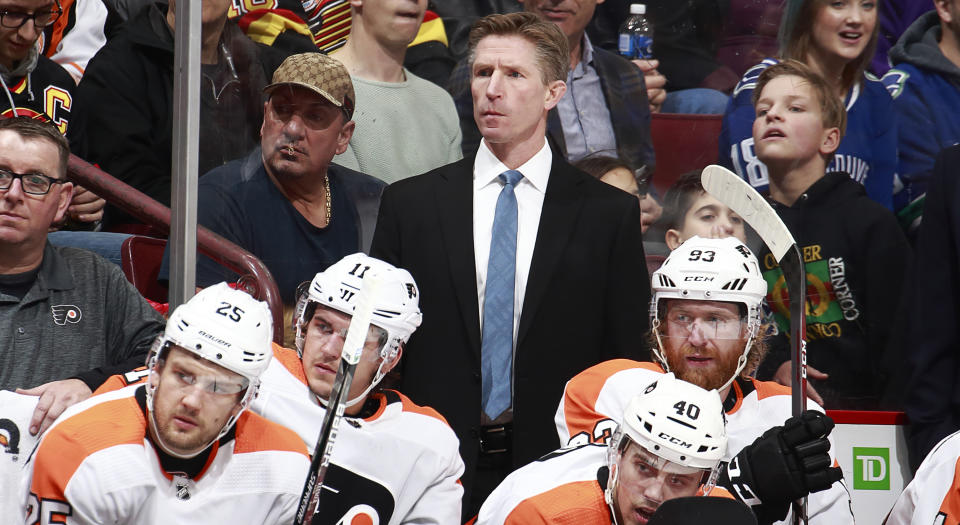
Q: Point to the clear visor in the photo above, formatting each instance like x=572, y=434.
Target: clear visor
x=200, y=372
x=711, y=325
x=376, y=338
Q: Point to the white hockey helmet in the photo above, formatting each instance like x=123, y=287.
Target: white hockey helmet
x=680, y=423
x=396, y=308
x=224, y=326
x=710, y=270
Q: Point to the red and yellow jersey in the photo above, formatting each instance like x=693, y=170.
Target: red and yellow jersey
x=95, y=465
x=594, y=401
x=565, y=486
x=399, y=465
x=933, y=497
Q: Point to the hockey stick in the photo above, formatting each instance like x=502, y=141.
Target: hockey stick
x=352, y=350
x=730, y=189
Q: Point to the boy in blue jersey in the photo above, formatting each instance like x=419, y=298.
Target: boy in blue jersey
x=925, y=86
x=855, y=252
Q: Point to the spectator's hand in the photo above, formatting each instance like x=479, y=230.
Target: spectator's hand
x=55, y=397
x=85, y=206
x=783, y=377
x=656, y=83
x=650, y=211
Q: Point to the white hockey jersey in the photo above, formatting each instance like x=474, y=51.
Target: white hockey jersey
x=562, y=487
x=933, y=497
x=400, y=465
x=565, y=486
x=16, y=445
x=95, y=466
x=594, y=400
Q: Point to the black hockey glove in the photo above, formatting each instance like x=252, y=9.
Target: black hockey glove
x=784, y=464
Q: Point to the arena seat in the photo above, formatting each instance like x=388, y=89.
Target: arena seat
x=682, y=143
x=141, y=257
x=654, y=262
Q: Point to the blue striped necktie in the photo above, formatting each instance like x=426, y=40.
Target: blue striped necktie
x=496, y=348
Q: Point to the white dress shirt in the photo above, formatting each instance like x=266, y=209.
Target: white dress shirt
x=529, y=192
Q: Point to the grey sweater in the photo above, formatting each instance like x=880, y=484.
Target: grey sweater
x=81, y=318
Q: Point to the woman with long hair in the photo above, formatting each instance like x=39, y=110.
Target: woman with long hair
x=837, y=38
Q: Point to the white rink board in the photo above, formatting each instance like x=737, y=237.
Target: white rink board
x=871, y=502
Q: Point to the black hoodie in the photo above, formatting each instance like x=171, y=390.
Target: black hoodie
x=124, y=105
x=856, y=258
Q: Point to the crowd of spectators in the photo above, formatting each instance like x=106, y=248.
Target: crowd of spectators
x=317, y=119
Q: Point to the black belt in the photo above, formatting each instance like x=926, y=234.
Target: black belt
x=496, y=439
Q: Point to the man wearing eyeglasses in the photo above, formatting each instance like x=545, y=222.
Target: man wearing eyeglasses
x=64, y=312
x=286, y=202
x=37, y=87
x=705, y=319
x=34, y=85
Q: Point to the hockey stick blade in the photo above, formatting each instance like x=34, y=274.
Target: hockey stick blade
x=728, y=188
x=352, y=350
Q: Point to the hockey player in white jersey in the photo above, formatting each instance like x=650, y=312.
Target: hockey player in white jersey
x=933, y=497
x=393, y=462
x=181, y=448
x=668, y=444
x=705, y=319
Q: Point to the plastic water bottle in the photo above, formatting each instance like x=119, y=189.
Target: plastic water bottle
x=636, y=34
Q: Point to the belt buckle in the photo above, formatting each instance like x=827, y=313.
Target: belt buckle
x=502, y=429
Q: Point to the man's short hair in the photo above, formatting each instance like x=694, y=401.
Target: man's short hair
x=552, y=49
x=35, y=129
x=832, y=112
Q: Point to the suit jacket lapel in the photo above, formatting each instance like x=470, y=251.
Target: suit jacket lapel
x=455, y=201
x=555, y=132
x=561, y=210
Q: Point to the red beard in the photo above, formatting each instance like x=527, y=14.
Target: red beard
x=708, y=377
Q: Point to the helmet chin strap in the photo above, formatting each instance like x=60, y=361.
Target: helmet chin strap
x=363, y=395
x=658, y=351
x=153, y=384
x=741, y=362
x=608, y=493
x=658, y=354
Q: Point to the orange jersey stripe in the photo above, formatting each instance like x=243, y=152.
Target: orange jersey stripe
x=257, y=434
x=767, y=389
x=290, y=360
x=64, y=449
x=950, y=507
x=580, y=411
x=579, y=502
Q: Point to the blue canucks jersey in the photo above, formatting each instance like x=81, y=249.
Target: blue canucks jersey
x=868, y=151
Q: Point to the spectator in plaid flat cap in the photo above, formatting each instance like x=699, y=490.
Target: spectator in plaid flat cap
x=285, y=202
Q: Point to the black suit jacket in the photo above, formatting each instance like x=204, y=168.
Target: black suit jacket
x=586, y=298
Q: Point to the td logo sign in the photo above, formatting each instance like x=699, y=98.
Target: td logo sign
x=871, y=468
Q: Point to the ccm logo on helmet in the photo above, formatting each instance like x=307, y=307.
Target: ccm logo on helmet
x=673, y=440
x=215, y=339
x=698, y=278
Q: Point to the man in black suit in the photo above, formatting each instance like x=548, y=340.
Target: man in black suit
x=569, y=259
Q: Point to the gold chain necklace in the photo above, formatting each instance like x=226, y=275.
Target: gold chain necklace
x=326, y=184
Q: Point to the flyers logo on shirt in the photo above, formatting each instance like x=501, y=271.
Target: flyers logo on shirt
x=66, y=313
x=9, y=437
x=349, y=498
